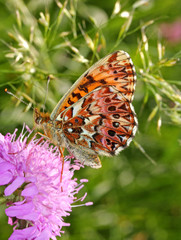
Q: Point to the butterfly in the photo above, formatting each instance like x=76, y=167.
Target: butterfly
x=96, y=115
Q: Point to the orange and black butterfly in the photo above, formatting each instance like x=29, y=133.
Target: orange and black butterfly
x=96, y=116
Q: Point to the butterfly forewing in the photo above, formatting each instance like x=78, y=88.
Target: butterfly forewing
x=115, y=70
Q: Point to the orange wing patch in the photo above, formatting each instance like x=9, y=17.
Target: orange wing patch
x=115, y=70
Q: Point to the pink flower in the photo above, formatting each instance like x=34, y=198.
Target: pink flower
x=172, y=31
x=31, y=175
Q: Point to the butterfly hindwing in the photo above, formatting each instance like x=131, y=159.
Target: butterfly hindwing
x=103, y=122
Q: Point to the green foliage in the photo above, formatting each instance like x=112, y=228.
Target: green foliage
x=58, y=40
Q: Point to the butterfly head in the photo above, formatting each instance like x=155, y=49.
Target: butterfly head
x=40, y=118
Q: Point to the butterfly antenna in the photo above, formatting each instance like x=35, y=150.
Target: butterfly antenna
x=46, y=94
x=10, y=93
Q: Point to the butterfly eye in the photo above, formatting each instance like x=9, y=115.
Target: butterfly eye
x=76, y=120
x=38, y=120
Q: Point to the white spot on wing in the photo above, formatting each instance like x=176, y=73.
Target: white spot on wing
x=132, y=108
x=119, y=149
x=65, y=118
x=129, y=141
x=76, y=108
x=70, y=130
x=85, y=132
x=86, y=120
x=127, y=55
x=134, y=130
x=134, y=70
x=58, y=118
x=93, y=117
x=136, y=120
x=111, y=89
x=130, y=60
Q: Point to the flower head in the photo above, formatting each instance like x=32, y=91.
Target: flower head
x=31, y=173
x=172, y=31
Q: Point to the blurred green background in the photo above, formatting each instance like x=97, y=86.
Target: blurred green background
x=133, y=198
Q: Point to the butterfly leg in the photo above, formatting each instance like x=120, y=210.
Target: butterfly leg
x=43, y=136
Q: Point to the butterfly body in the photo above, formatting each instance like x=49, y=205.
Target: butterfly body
x=96, y=115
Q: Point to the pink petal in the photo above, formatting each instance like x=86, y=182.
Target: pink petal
x=24, y=211
x=4, y=166
x=27, y=233
x=14, y=185
x=1, y=137
x=45, y=235
x=10, y=221
x=89, y=203
x=31, y=216
x=18, y=210
x=30, y=190
x=5, y=178
x=83, y=180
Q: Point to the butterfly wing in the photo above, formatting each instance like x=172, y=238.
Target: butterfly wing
x=116, y=70
x=103, y=122
x=96, y=114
